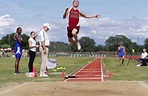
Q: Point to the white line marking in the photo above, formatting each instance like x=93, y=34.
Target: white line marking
x=87, y=71
x=86, y=78
x=87, y=75
x=78, y=71
x=101, y=71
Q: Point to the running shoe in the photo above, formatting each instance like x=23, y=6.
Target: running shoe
x=17, y=72
x=43, y=75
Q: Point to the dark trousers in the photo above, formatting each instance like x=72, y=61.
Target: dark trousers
x=31, y=60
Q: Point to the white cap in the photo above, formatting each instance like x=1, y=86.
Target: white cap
x=47, y=25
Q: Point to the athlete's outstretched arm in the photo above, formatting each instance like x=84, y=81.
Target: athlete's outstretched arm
x=93, y=16
x=65, y=13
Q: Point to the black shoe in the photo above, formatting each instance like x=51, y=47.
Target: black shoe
x=17, y=72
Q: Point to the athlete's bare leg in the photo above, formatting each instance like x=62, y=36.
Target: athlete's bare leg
x=121, y=61
x=74, y=33
x=71, y=41
x=17, y=64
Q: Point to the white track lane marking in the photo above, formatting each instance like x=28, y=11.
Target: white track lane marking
x=102, y=78
x=84, y=69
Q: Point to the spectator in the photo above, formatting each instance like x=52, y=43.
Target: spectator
x=3, y=52
x=143, y=57
x=32, y=50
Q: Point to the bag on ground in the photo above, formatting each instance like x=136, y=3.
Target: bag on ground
x=51, y=63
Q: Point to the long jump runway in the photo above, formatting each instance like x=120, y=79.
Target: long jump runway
x=91, y=72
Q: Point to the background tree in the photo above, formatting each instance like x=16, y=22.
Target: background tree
x=25, y=41
x=138, y=48
x=100, y=48
x=87, y=44
x=59, y=47
x=113, y=42
x=9, y=41
x=146, y=43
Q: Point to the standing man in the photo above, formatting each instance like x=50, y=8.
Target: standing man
x=44, y=45
x=18, y=48
x=121, y=54
x=73, y=23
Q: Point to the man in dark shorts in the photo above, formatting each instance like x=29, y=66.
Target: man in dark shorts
x=73, y=26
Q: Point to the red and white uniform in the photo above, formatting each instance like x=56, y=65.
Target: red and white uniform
x=73, y=21
x=73, y=18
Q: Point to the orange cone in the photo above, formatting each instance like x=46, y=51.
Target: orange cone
x=110, y=74
x=34, y=71
x=62, y=74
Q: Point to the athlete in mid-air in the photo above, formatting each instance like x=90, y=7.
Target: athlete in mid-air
x=73, y=23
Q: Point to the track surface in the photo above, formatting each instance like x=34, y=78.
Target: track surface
x=91, y=72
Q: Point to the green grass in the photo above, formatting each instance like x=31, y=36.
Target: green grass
x=130, y=72
x=7, y=75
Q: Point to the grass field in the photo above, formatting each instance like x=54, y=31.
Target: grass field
x=131, y=72
x=8, y=76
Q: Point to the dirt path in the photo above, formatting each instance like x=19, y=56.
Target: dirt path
x=106, y=88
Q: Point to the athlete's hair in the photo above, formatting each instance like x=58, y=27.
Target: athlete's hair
x=31, y=32
x=18, y=28
x=121, y=43
x=74, y=1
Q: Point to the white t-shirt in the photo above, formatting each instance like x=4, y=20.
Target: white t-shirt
x=33, y=44
x=143, y=55
x=44, y=37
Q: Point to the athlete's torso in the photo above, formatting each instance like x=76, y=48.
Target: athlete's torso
x=121, y=51
x=73, y=17
x=16, y=40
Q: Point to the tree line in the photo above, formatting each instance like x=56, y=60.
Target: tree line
x=87, y=44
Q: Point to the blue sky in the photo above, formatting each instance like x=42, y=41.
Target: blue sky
x=118, y=17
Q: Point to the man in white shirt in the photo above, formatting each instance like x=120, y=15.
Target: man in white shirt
x=44, y=45
x=143, y=57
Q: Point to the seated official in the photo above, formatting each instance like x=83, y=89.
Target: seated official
x=143, y=57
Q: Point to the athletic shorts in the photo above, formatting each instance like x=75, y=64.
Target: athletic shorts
x=69, y=30
x=121, y=55
x=18, y=51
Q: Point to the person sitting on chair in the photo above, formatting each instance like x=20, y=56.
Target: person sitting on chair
x=143, y=57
